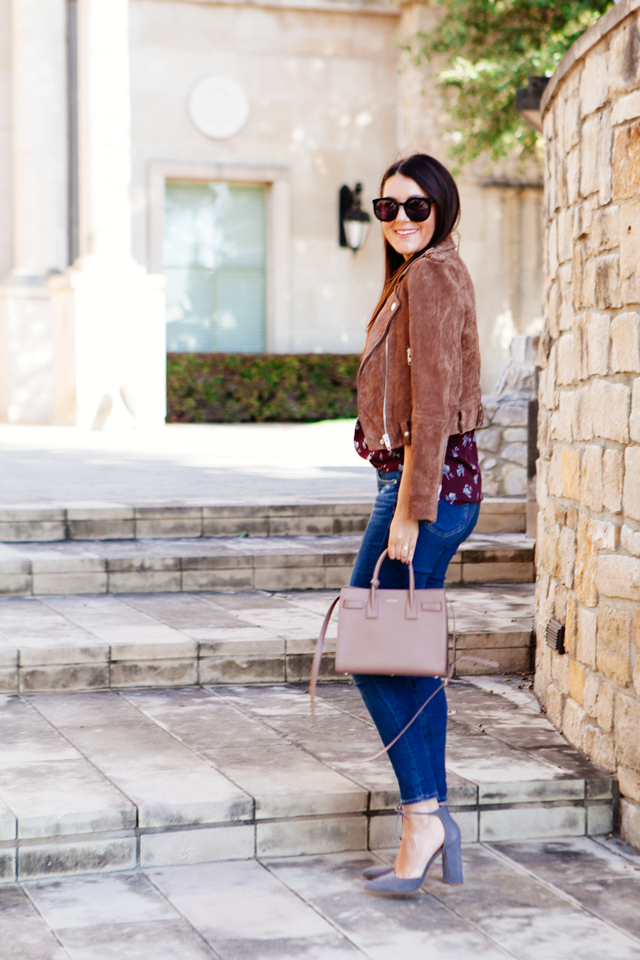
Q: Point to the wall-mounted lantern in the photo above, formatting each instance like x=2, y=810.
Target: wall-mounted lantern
x=528, y=101
x=354, y=222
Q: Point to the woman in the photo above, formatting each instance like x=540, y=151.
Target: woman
x=419, y=402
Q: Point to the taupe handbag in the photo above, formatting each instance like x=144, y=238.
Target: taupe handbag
x=391, y=632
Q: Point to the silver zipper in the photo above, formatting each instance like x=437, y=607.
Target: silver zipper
x=409, y=355
x=385, y=436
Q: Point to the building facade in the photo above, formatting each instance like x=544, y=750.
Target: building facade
x=169, y=178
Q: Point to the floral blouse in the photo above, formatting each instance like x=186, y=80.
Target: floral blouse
x=461, y=480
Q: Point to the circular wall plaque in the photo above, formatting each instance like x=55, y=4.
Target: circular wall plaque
x=218, y=106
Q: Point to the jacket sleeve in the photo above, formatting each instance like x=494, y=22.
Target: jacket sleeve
x=436, y=318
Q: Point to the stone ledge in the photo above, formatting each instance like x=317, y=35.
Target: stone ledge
x=581, y=47
x=24, y=523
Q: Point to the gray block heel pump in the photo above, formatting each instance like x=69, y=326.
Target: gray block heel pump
x=451, y=851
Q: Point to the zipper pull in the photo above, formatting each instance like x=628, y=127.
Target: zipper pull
x=387, y=442
x=409, y=355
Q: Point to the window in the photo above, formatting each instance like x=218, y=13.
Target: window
x=214, y=260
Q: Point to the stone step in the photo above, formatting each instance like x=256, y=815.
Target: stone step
x=22, y=523
x=58, y=643
x=236, y=563
x=110, y=780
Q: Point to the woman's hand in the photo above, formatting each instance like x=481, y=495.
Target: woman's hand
x=403, y=536
x=403, y=532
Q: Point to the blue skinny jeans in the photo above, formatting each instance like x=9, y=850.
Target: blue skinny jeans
x=418, y=758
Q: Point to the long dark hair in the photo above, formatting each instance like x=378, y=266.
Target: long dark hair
x=437, y=183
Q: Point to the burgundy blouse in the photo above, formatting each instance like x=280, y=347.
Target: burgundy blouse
x=461, y=480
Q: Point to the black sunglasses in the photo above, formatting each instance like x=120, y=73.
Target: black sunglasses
x=416, y=208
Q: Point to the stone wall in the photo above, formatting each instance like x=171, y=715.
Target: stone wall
x=503, y=440
x=589, y=423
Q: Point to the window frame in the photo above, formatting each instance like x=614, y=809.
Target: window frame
x=275, y=179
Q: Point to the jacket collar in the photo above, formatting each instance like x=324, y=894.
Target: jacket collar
x=446, y=247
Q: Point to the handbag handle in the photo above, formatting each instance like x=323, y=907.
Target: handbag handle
x=315, y=671
x=375, y=582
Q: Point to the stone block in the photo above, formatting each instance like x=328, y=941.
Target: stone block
x=625, y=343
x=206, y=845
x=23, y=531
x=582, y=423
x=555, y=704
x=512, y=414
x=514, y=480
x=289, y=578
x=530, y=822
x=630, y=540
x=610, y=410
x=219, y=579
x=574, y=723
x=630, y=251
x=591, y=482
x=598, y=343
x=101, y=529
x=516, y=453
x=618, y=576
x=234, y=526
x=626, y=162
x=604, y=706
x=630, y=822
x=56, y=857
x=166, y=527
x=586, y=638
x=608, y=292
x=489, y=438
x=69, y=583
x=629, y=783
x=567, y=555
x=565, y=368
x=154, y=673
x=626, y=726
x=562, y=421
x=590, y=692
x=146, y=581
x=312, y=835
x=570, y=471
x=15, y=584
x=631, y=494
x=605, y=228
x=300, y=526
x=238, y=669
x=594, y=83
x=68, y=676
x=624, y=59
x=613, y=644
x=576, y=680
x=590, y=136
x=599, y=819
x=612, y=478
x=605, y=534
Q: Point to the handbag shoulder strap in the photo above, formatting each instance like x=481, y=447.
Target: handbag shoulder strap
x=315, y=672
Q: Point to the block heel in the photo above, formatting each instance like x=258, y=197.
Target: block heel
x=452, y=865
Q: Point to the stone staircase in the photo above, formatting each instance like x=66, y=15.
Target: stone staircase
x=116, y=780
x=153, y=669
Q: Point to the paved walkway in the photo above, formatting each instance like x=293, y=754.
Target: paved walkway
x=234, y=463
x=536, y=900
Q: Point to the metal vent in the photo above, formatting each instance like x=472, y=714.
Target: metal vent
x=555, y=636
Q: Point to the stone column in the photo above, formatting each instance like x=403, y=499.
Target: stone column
x=39, y=162
x=109, y=335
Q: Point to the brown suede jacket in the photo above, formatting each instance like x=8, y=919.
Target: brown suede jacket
x=426, y=340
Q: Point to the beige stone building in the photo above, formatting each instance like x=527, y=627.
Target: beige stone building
x=191, y=151
x=589, y=427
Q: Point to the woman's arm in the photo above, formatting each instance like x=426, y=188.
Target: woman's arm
x=404, y=531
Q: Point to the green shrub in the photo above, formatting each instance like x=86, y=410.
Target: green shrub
x=236, y=387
